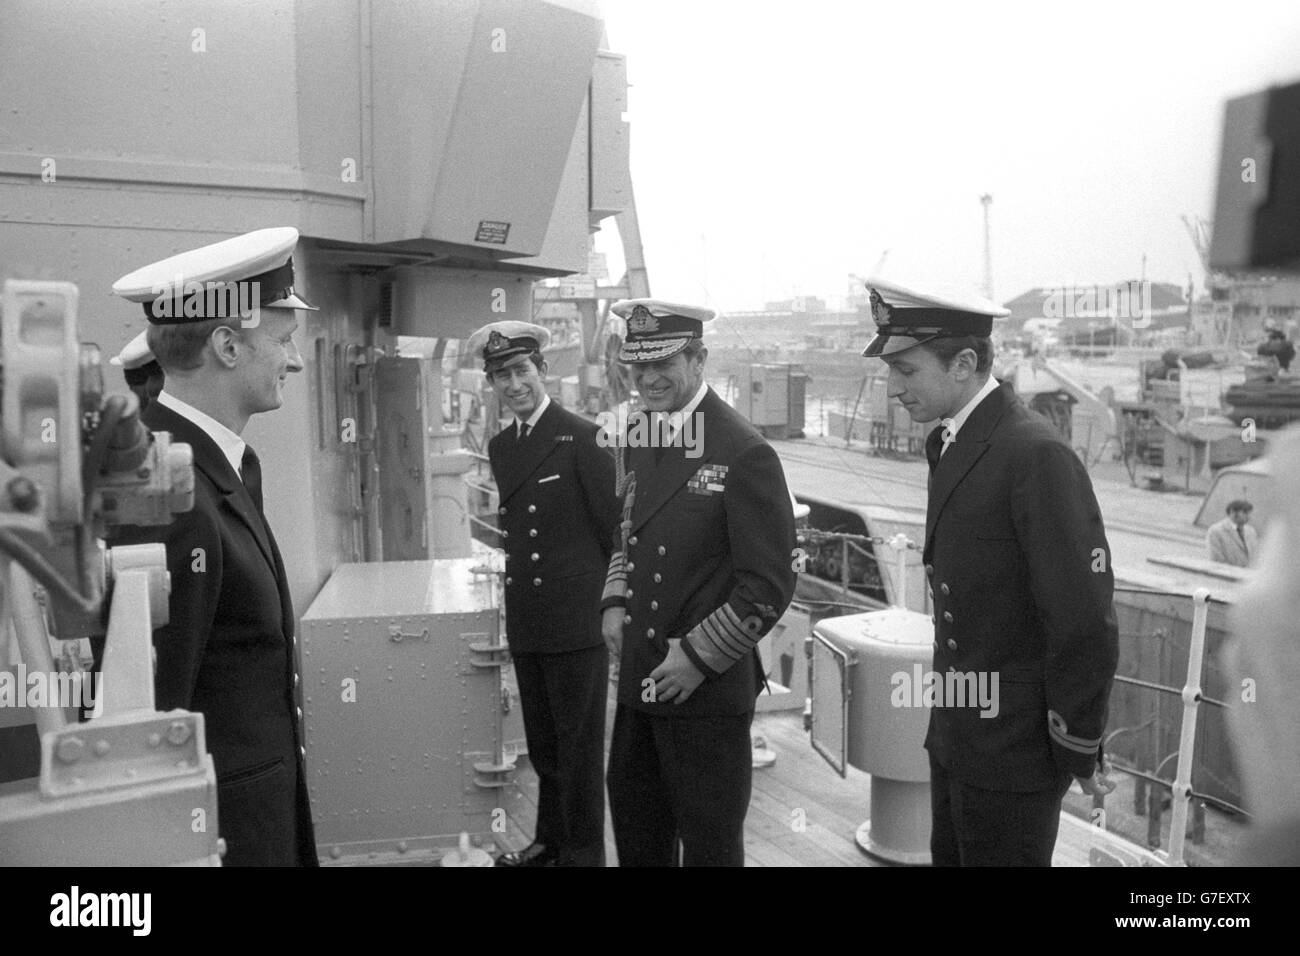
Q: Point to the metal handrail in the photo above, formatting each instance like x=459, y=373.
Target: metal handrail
x=1181, y=786
x=1166, y=689
x=1162, y=782
x=814, y=534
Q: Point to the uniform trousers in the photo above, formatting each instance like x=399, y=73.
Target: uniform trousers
x=257, y=813
x=679, y=778
x=976, y=827
x=563, y=699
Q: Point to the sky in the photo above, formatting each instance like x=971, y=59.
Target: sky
x=777, y=148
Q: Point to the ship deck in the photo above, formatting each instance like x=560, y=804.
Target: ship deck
x=833, y=808
x=1140, y=524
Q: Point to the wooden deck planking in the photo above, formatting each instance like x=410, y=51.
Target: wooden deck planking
x=772, y=827
x=800, y=779
x=808, y=775
x=824, y=814
x=818, y=844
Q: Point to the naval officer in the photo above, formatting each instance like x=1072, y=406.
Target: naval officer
x=221, y=325
x=1021, y=576
x=703, y=570
x=557, y=517
x=143, y=374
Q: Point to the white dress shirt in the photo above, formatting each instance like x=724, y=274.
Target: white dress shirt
x=532, y=419
x=954, y=424
x=231, y=445
x=677, y=420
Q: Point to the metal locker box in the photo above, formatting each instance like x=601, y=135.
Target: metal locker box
x=402, y=708
x=764, y=400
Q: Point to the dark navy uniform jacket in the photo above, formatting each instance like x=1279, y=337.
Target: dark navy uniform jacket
x=557, y=515
x=1021, y=576
x=228, y=652
x=709, y=560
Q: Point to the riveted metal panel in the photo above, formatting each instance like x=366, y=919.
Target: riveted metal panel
x=448, y=173
x=396, y=713
x=611, y=183
x=133, y=790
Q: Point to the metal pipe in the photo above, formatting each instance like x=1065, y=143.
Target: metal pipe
x=1191, y=702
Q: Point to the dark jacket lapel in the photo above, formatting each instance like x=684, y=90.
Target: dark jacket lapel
x=209, y=459
x=519, y=461
x=971, y=444
x=661, y=481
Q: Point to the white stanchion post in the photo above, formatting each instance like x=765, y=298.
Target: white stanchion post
x=1186, y=742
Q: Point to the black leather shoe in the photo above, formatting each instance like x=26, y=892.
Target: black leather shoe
x=535, y=854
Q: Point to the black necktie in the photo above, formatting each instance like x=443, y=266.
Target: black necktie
x=659, y=426
x=934, y=447
x=521, y=433
x=1241, y=533
x=250, y=470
